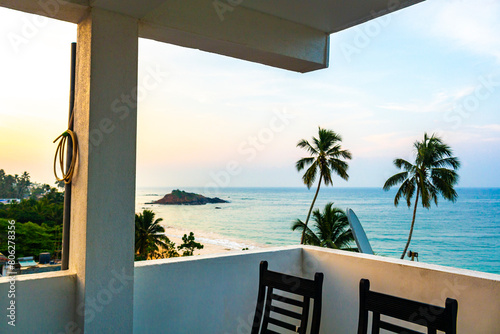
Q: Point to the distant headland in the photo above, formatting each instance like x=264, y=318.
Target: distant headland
x=180, y=197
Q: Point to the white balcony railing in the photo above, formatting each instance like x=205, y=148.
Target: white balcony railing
x=217, y=293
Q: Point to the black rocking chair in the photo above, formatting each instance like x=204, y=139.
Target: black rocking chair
x=426, y=315
x=293, y=312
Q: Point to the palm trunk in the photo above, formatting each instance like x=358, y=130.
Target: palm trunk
x=310, y=210
x=412, y=224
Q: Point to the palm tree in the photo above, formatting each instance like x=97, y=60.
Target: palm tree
x=427, y=177
x=326, y=154
x=331, y=229
x=149, y=234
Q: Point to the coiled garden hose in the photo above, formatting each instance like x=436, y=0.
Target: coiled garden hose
x=60, y=155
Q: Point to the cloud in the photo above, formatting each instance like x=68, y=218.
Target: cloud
x=473, y=135
x=388, y=144
x=491, y=127
x=469, y=24
x=439, y=102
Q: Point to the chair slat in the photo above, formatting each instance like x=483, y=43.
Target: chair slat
x=405, y=309
x=426, y=315
x=286, y=312
x=307, y=289
x=297, y=285
x=397, y=329
x=282, y=324
x=268, y=331
x=287, y=300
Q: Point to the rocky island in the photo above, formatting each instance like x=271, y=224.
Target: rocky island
x=180, y=197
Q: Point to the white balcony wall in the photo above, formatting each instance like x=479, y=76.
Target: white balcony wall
x=217, y=293
x=206, y=294
x=44, y=303
x=478, y=294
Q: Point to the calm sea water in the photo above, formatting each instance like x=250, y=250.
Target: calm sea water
x=465, y=234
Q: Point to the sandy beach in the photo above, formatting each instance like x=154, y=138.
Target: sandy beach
x=207, y=248
x=212, y=244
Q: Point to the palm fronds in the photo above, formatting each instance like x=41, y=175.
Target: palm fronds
x=432, y=174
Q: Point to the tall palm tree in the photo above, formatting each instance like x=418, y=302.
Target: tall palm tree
x=149, y=234
x=331, y=229
x=326, y=154
x=432, y=174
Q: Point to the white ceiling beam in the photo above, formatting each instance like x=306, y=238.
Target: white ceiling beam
x=237, y=32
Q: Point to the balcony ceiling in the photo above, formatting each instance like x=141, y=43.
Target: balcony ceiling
x=289, y=34
x=328, y=16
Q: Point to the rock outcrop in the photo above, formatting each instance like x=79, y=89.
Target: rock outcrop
x=180, y=197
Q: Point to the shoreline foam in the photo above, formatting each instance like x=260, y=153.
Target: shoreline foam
x=212, y=242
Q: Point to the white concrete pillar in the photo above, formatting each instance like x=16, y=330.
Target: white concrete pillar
x=103, y=196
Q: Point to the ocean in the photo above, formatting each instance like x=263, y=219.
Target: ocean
x=464, y=234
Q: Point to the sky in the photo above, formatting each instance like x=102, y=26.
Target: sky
x=212, y=120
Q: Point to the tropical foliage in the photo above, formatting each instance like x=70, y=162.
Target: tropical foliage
x=189, y=245
x=330, y=229
x=433, y=173
x=14, y=186
x=149, y=235
x=152, y=243
x=169, y=251
x=48, y=209
x=326, y=156
x=38, y=219
x=31, y=239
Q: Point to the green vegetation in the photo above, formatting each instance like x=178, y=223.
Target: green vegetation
x=427, y=177
x=325, y=157
x=21, y=187
x=38, y=215
x=14, y=186
x=31, y=239
x=189, y=245
x=48, y=209
x=149, y=237
x=330, y=229
x=183, y=194
x=152, y=243
x=38, y=224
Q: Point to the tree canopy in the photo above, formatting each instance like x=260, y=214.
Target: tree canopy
x=326, y=156
x=14, y=186
x=330, y=229
x=432, y=174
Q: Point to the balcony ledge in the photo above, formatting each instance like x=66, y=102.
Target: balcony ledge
x=217, y=293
